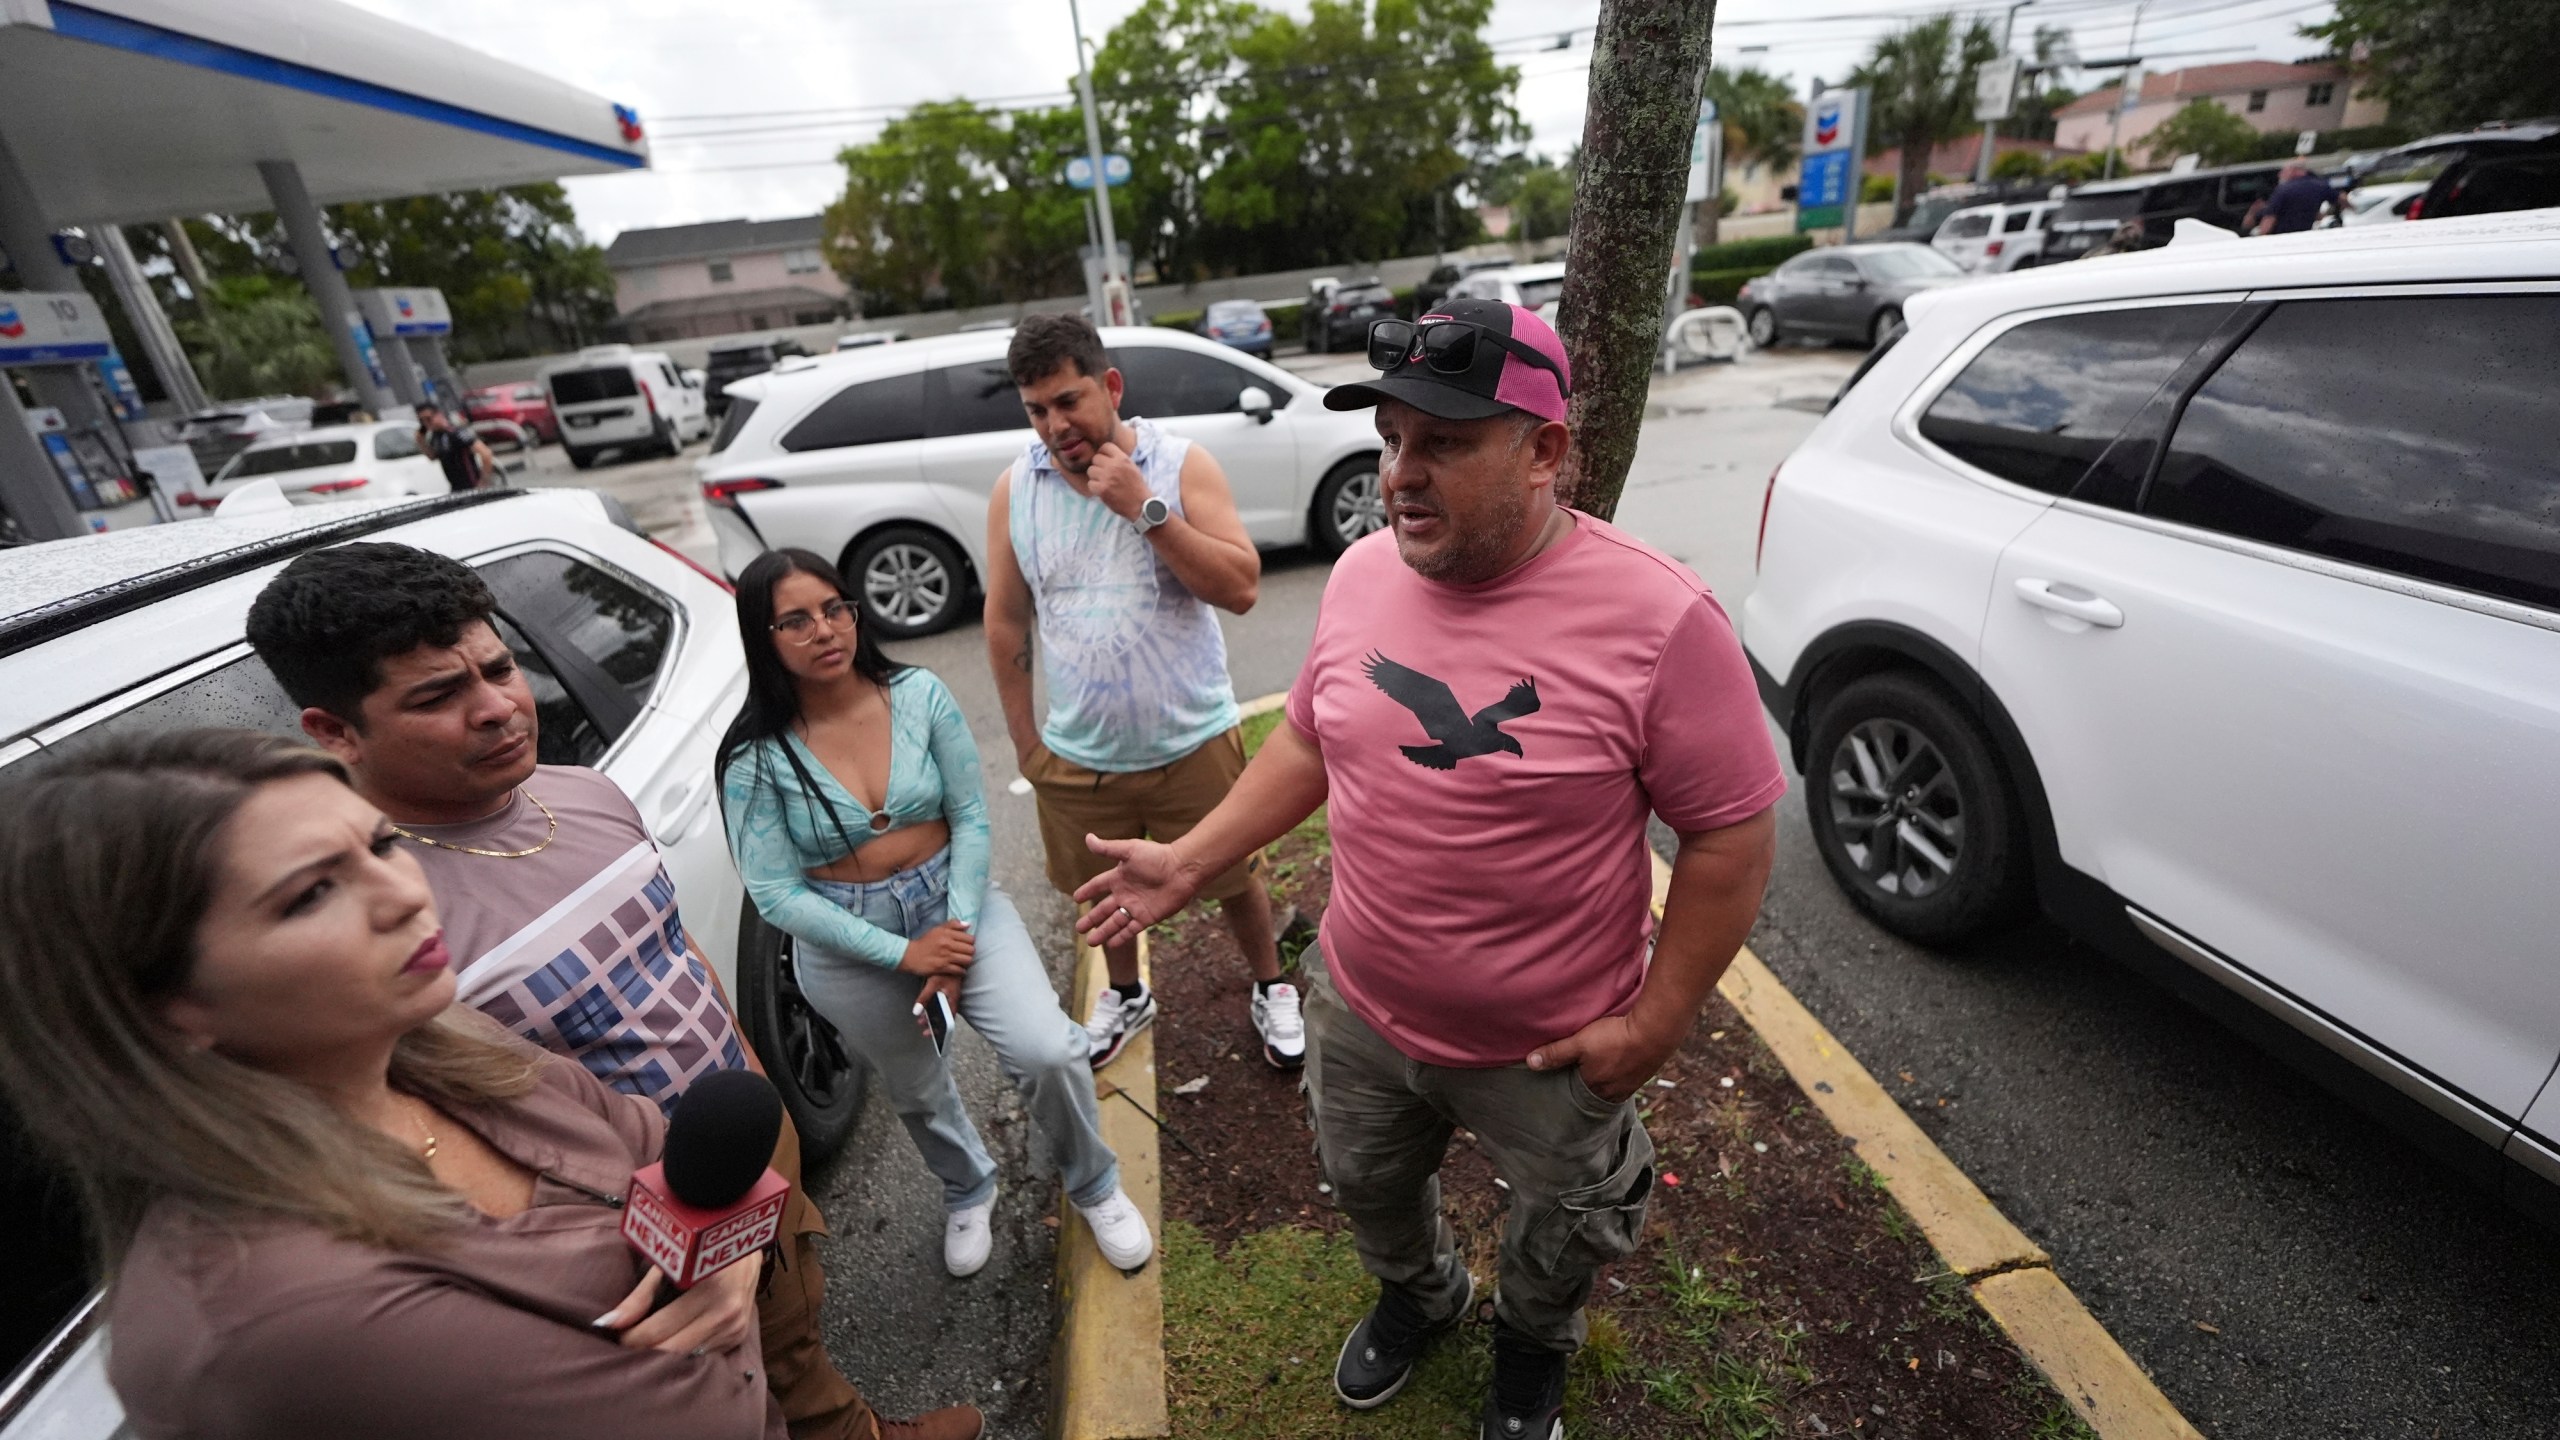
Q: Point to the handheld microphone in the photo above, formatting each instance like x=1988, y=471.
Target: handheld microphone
x=712, y=1198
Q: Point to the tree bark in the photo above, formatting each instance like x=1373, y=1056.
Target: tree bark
x=1648, y=64
x=1916, y=147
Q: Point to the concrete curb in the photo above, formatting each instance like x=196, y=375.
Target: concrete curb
x=1107, y=1366
x=2011, y=1276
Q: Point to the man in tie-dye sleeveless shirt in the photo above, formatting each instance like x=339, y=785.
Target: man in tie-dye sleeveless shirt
x=1115, y=540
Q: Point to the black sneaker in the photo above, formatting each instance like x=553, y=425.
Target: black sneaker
x=1379, y=1355
x=1527, y=1398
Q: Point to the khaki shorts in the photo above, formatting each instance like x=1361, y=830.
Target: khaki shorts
x=1160, y=804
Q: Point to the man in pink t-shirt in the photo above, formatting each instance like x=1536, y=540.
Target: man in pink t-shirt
x=1500, y=693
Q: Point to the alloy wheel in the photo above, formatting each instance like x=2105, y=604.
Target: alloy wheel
x=1359, y=507
x=1764, y=327
x=1897, y=811
x=906, y=585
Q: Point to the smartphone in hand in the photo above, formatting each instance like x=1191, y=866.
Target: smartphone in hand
x=938, y=1020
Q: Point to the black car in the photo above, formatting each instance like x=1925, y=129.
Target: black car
x=1435, y=286
x=737, y=362
x=1338, y=316
x=2502, y=167
x=2147, y=208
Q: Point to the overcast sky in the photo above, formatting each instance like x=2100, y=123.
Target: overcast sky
x=833, y=68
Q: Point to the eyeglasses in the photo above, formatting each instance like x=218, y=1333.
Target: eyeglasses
x=1448, y=347
x=801, y=628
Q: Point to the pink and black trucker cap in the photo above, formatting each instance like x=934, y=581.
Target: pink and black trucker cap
x=1496, y=382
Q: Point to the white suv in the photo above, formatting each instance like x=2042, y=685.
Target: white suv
x=634, y=660
x=1996, y=239
x=2210, y=599
x=882, y=459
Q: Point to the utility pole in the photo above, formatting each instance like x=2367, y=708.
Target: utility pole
x=2132, y=94
x=1982, y=162
x=1115, y=286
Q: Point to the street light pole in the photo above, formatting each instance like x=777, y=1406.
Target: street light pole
x=1115, y=286
x=1982, y=162
x=2133, y=78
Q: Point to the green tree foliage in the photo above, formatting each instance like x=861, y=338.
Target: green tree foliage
x=1921, y=81
x=2447, y=64
x=257, y=334
x=1154, y=79
x=961, y=205
x=2017, y=165
x=1763, y=119
x=2208, y=130
x=1539, y=192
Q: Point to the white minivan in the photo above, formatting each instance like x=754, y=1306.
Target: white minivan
x=613, y=397
x=2208, y=599
x=1996, y=239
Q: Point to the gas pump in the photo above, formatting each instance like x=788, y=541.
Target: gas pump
x=64, y=332
x=408, y=328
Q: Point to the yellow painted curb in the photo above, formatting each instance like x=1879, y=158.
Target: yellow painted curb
x=2012, y=1277
x=1262, y=705
x=1107, y=1368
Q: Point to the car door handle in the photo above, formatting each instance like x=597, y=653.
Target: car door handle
x=2069, y=600
x=677, y=816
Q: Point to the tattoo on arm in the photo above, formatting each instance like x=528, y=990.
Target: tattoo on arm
x=1022, y=658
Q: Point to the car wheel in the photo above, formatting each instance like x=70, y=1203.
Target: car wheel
x=821, y=1082
x=1349, y=504
x=1886, y=328
x=1912, y=812
x=577, y=457
x=912, y=582
x=1763, y=326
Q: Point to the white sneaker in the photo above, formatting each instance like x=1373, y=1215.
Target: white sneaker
x=1283, y=1029
x=1120, y=1232
x=967, y=1237
x=1115, y=1020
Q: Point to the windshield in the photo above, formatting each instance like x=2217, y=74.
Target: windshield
x=1534, y=293
x=1966, y=227
x=1232, y=310
x=577, y=387
x=1907, y=264
x=2082, y=209
x=282, y=458
x=1930, y=214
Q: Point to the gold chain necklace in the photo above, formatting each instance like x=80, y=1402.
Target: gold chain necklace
x=427, y=1151
x=548, y=837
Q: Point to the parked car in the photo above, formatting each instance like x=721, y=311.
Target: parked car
x=217, y=434
x=1996, y=239
x=1239, y=325
x=375, y=460
x=613, y=397
x=863, y=340
x=1532, y=287
x=883, y=461
x=1932, y=210
x=1436, y=285
x=1842, y=292
x=2481, y=172
x=736, y=362
x=2379, y=204
x=2154, y=204
x=634, y=660
x=1338, y=313
x=2209, y=600
x=523, y=403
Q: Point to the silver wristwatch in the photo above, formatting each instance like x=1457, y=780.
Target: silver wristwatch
x=1152, y=514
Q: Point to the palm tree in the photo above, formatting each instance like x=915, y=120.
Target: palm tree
x=1920, y=81
x=1762, y=117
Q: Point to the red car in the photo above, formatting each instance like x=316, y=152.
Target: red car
x=521, y=403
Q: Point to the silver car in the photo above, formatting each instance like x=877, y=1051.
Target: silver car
x=1843, y=292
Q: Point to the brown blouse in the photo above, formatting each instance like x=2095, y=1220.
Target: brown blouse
x=268, y=1329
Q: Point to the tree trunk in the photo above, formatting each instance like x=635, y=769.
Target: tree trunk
x=1916, y=146
x=1648, y=62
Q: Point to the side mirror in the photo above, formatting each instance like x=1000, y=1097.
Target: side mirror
x=1256, y=402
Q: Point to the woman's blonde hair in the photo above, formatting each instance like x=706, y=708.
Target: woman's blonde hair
x=108, y=861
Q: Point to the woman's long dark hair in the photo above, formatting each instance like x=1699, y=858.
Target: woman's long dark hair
x=773, y=697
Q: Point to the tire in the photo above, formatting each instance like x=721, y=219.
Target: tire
x=1763, y=327
x=1348, y=506
x=1886, y=328
x=577, y=457
x=822, y=1084
x=670, y=441
x=1895, y=746
x=912, y=581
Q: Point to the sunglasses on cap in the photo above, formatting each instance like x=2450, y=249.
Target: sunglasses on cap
x=1447, y=347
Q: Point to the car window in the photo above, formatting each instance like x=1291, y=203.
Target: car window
x=394, y=444
x=2243, y=190
x=2016, y=220
x=1536, y=293
x=976, y=399
x=1966, y=227
x=740, y=407
x=2413, y=434
x=2489, y=186
x=1834, y=267
x=241, y=695
x=1164, y=382
x=577, y=387
x=528, y=392
x=624, y=630
x=50, y=1274
x=873, y=412
x=742, y=358
x=1907, y=262
x=2040, y=403
x=278, y=459
x=2178, y=197
x=2084, y=209
x=569, y=735
x=1804, y=264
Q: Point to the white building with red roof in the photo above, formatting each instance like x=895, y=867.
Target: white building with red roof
x=2275, y=98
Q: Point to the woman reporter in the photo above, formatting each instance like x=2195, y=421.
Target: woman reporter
x=327, y=1202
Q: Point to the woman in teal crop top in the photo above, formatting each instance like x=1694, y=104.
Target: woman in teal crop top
x=890, y=902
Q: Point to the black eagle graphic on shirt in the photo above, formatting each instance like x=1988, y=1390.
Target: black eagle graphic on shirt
x=1436, y=706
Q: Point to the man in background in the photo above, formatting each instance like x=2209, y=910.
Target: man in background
x=466, y=458
x=2298, y=202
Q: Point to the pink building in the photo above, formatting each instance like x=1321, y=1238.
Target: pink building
x=681, y=282
x=2275, y=98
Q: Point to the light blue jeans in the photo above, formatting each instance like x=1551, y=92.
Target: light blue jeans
x=1006, y=998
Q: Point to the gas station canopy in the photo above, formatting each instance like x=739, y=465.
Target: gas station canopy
x=135, y=110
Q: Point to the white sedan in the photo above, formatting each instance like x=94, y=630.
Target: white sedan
x=882, y=459
x=371, y=460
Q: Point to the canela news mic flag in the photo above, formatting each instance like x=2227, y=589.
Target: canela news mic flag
x=711, y=1199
